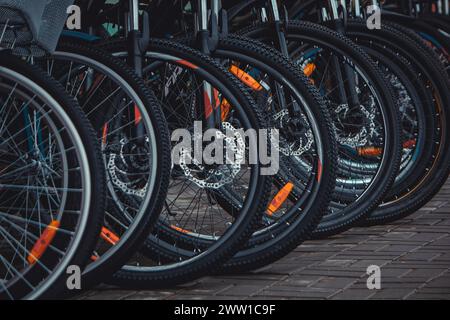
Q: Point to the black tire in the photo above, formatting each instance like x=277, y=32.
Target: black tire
x=373, y=195
x=88, y=238
x=407, y=44
x=228, y=244
x=142, y=223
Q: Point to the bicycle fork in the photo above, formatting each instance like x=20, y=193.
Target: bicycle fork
x=293, y=107
x=208, y=39
x=346, y=89
x=138, y=43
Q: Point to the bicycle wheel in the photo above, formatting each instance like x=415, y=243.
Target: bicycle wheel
x=428, y=70
x=134, y=139
x=365, y=118
x=51, y=184
x=178, y=75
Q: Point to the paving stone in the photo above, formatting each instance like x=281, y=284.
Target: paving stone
x=243, y=282
x=441, y=282
x=427, y=221
x=333, y=283
x=427, y=273
x=431, y=296
x=427, y=208
x=332, y=272
x=420, y=256
x=301, y=280
x=297, y=293
x=429, y=290
x=370, y=256
x=444, y=257
x=394, y=272
x=354, y=294
x=185, y=296
x=416, y=265
x=270, y=298
x=337, y=262
x=399, y=235
x=256, y=276
x=392, y=293
x=300, y=289
x=241, y=290
x=363, y=264
x=399, y=248
x=364, y=247
x=427, y=236
x=406, y=279
x=112, y=295
x=147, y=295
x=208, y=287
x=390, y=284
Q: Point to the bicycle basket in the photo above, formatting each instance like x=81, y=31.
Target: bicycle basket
x=32, y=27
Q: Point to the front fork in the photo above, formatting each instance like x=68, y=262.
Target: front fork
x=138, y=43
x=207, y=31
x=293, y=107
x=345, y=75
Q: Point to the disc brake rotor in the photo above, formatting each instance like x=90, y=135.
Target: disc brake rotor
x=367, y=129
x=301, y=144
x=222, y=174
x=119, y=166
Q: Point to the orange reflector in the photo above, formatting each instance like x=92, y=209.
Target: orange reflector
x=179, y=229
x=137, y=115
x=216, y=98
x=247, y=79
x=225, y=109
x=409, y=144
x=105, y=133
x=43, y=242
x=309, y=69
x=224, y=106
x=109, y=236
x=208, y=106
x=187, y=64
x=319, y=170
x=370, y=151
x=280, y=198
x=94, y=258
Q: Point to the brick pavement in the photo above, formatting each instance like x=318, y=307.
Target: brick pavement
x=414, y=256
